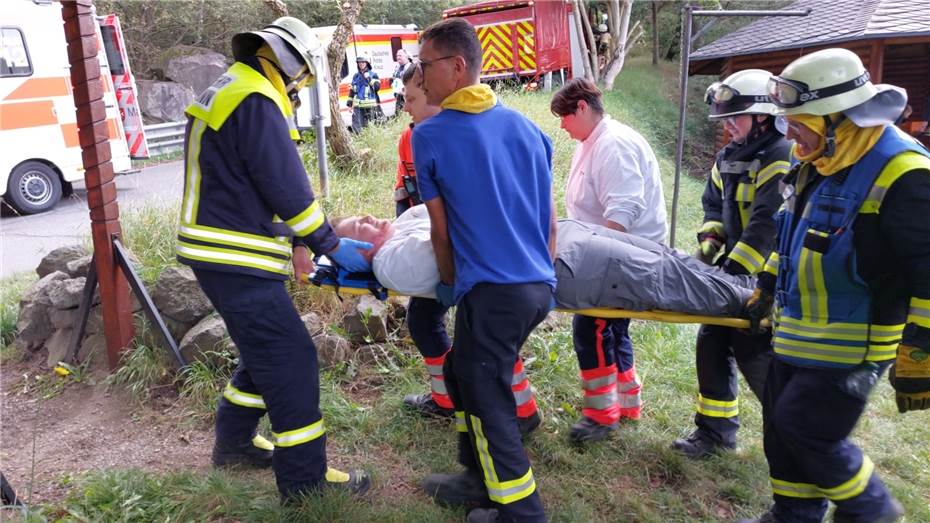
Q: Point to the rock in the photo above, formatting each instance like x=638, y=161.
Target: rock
x=331, y=348
x=93, y=353
x=57, y=259
x=555, y=321
x=367, y=322
x=209, y=335
x=78, y=268
x=64, y=319
x=94, y=321
x=66, y=294
x=163, y=101
x=193, y=67
x=57, y=347
x=178, y=296
x=33, y=326
x=375, y=355
x=312, y=322
x=39, y=290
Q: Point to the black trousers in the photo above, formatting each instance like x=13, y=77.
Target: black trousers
x=720, y=352
x=491, y=324
x=278, y=373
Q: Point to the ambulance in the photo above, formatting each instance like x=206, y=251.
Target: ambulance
x=378, y=43
x=40, y=157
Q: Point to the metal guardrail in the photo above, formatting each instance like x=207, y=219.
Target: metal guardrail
x=165, y=137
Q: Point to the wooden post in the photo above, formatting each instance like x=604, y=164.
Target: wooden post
x=81, y=35
x=876, y=61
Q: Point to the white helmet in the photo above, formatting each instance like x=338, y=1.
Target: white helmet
x=743, y=92
x=832, y=81
x=291, y=40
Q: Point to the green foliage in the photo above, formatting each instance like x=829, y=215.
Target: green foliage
x=143, y=369
x=11, y=289
x=200, y=382
x=149, y=232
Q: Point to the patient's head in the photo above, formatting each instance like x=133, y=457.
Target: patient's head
x=364, y=228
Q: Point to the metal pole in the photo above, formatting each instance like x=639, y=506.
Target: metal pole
x=682, y=100
x=318, y=105
x=689, y=14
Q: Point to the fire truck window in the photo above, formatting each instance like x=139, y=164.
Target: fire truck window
x=112, y=50
x=345, y=68
x=14, y=57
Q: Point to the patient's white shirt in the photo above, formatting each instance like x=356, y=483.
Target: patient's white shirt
x=405, y=262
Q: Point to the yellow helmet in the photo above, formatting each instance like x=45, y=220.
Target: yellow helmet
x=291, y=40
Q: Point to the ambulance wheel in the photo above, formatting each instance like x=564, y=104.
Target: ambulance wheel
x=33, y=188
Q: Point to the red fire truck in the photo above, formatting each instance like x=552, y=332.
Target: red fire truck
x=522, y=38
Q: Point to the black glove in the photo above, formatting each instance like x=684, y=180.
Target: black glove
x=758, y=308
x=349, y=102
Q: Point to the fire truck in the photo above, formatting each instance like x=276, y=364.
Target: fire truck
x=40, y=156
x=523, y=39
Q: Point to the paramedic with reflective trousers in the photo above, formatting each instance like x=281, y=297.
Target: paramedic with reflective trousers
x=852, y=290
x=247, y=205
x=740, y=200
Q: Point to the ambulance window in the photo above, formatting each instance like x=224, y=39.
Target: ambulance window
x=14, y=57
x=112, y=50
x=395, y=45
x=345, y=68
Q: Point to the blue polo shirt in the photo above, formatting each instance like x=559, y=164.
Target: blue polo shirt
x=493, y=171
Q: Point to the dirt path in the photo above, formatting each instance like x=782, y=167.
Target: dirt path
x=85, y=427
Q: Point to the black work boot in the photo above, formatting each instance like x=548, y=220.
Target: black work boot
x=253, y=454
x=426, y=406
x=483, y=515
x=893, y=512
x=588, y=431
x=464, y=488
x=354, y=483
x=528, y=424
x=699, y=446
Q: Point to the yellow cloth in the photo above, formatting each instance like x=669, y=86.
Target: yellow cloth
x=852, y=142
x=472, y=99
x=266, y=58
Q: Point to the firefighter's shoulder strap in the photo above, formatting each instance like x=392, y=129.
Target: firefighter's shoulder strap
x=219, y=100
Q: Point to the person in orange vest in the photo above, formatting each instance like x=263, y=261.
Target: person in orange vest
x=406, y=194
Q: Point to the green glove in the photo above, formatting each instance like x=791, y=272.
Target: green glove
x=910, y=377
x=710, y=239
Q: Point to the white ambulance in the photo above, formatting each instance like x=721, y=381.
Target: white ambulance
x=378, y=43
x=40, y=156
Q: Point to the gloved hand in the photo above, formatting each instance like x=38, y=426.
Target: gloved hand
x=708, y=248
x=348, y=255
x=444, y=294
x=349, y=102
x=758, y=308
x=375, y=83
x=910, y=377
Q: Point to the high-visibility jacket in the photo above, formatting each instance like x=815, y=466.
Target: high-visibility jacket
x=742, y=196
x=364, y=89
x=830, y=313
x=246, y=193
x=405, y=168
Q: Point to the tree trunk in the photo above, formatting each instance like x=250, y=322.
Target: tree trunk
x=613, y=24
x=592, y=43
x=655, y=33
x=585, y=52
x=278, y=6
x=616, y=61
x=337, y=134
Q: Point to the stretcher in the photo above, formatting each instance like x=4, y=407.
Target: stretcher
x=342, y=282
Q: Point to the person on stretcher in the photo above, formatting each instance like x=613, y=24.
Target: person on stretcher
x=596, y=267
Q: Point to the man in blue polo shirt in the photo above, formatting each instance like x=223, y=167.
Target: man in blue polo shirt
x=485, y=174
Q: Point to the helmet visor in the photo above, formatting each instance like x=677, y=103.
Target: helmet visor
x=789, y=93
x=724, y=99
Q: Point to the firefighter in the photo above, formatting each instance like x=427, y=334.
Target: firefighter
x=614, y=182
x=740, y=200
x=247, y=206
x=363, y=94
x=426, y=317
x=852, y=289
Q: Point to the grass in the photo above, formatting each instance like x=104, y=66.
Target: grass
x=11, y=289
x=634, y=476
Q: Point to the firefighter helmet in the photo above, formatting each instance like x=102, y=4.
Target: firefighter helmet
x=743, y=92
x=291, y=40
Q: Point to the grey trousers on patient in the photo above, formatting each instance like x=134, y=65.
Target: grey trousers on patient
x=600, y=267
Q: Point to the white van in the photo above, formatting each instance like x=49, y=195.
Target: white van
x=40, y=155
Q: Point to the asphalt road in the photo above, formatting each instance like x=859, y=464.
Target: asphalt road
x=24, y=240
